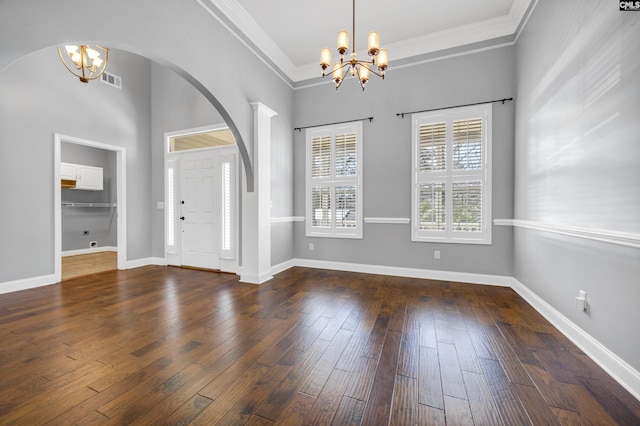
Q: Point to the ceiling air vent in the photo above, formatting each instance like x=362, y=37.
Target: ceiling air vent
x=111, y=79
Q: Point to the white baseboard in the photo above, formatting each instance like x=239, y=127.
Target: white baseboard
x=146, y=261
x=252, y=278
x=498, y=280
x=89, y=250
x=617, y=368
x=281, y=267
x=27, y=283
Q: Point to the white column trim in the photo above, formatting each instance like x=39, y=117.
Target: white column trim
x=256, y=206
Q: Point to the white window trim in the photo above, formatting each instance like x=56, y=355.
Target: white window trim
x=333, y=181
x=450, y=176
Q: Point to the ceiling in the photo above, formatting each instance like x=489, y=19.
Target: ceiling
x=289, y=34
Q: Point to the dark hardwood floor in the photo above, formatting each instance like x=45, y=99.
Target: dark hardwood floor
x=158, y=345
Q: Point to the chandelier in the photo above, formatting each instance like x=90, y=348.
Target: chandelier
x=357, y=68
x=85, y=60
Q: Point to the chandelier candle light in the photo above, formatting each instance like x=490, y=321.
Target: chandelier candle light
x=361, y=69
x=86, y=61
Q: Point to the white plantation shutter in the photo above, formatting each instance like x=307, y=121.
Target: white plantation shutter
x=321, y=206
x=334, y=181
x=225, y=203
x=321, y=156
x=433, y=146
x=467, y=206
x=452, y=175
x=467, y=144
x=228, y=206
x=432, y=207
x=346, y=206
x=346, y=154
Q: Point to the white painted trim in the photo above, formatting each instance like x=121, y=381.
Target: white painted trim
x=27, y=283
x=410, y=64
x=454, y=37
x=526, y=20
x=392, y=220
x=255, y=212
x=248, y=27
x=617, y=368
x=191, y=131
x=285, y=219
x=430, y=274
x=77, y=252
x=613, y=237
x=281, y=267
x=146, y=261
x=251, y=278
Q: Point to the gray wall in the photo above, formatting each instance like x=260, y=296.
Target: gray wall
x=577, y=155
x=39, y=94
x=100, y=222
x=175, y=105
x=38, y=97
x=477, y=77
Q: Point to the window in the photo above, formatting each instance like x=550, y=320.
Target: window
x=451, y=194
x=334, y=181
x=227, y=205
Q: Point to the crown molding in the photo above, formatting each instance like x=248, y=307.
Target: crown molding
x=270, y=53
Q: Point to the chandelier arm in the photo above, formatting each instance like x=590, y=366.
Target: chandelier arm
x=346, y=64
x=64, y=62
x=370, y=69
x=106, y=62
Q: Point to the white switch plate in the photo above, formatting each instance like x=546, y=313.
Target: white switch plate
x=581, y=301
x=436, y=254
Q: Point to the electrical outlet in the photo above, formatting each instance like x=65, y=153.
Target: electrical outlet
x=436, y=254
x=311, y=246
x=85, y=232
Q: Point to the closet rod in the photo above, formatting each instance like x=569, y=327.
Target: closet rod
x=103, y=205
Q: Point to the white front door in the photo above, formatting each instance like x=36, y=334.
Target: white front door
x=200, y=209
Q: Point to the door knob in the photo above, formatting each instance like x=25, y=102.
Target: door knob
x=181, y=217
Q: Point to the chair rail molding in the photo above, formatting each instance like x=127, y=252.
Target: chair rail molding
x=627, y=239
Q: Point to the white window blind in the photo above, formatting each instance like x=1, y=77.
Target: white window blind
x=225, y=202
x=170, y=206
x=228, y=206
x=451, y=199
x=334, y=181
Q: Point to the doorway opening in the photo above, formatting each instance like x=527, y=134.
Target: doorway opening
x=90, y=208
x=201, y=199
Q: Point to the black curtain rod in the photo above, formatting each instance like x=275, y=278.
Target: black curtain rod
x=330, y=124
x=401, y=114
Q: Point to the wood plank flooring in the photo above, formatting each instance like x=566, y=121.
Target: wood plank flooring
x=169, y=346
x=87, y=264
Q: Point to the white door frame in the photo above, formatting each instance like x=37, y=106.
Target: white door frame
x=121, y=199
x=224, y=266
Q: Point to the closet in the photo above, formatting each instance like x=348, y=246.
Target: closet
x=89, y=210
